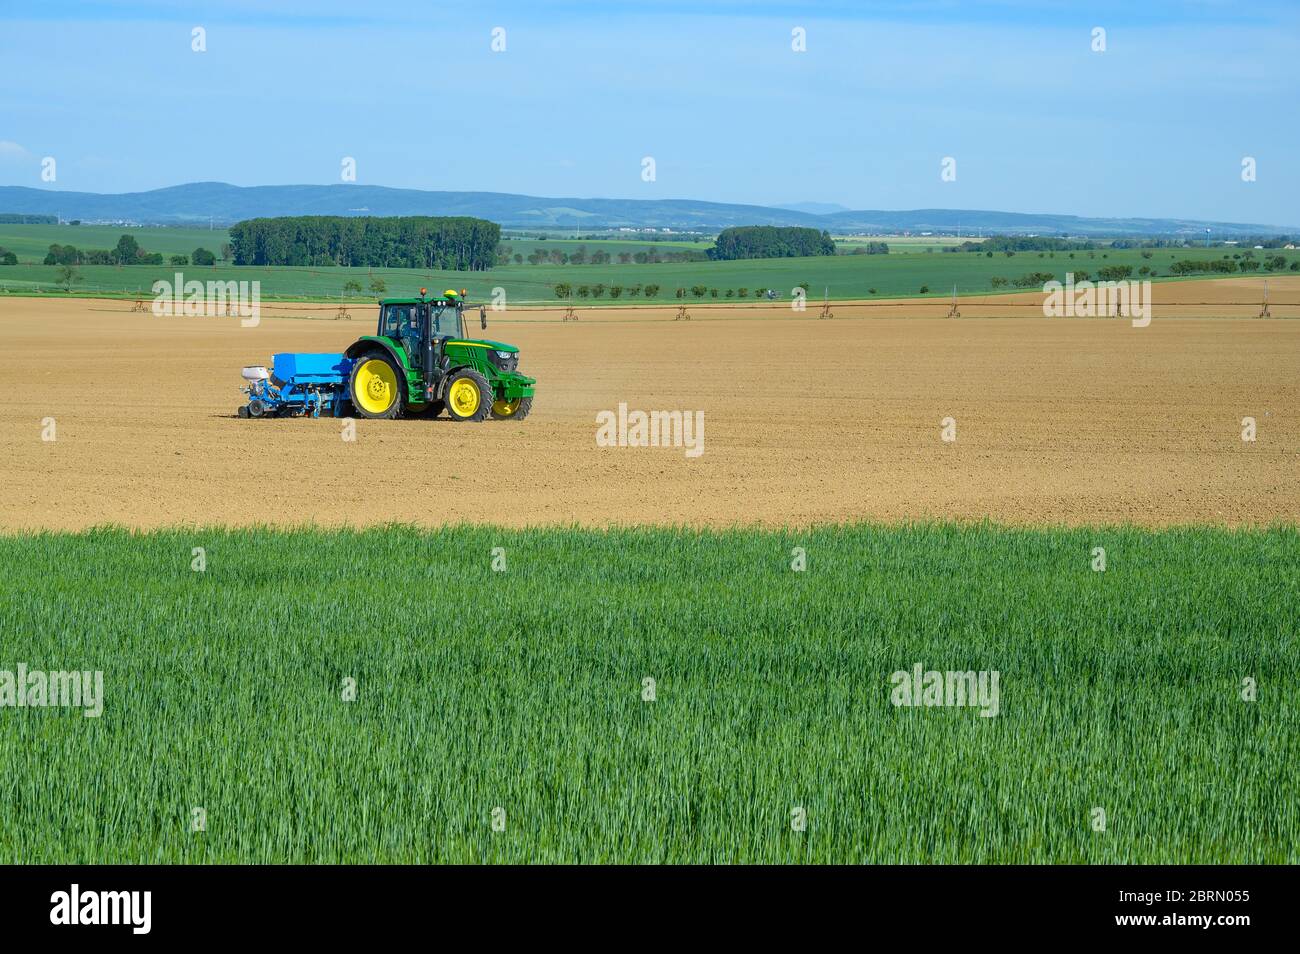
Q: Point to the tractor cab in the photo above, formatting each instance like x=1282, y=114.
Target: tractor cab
x=420, y=362
x=406, y=320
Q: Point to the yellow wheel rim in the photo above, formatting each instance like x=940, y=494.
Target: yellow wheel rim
x=376, y=386
x=463, y=397
x=505, y=408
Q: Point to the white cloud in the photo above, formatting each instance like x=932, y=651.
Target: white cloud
x=11, y=150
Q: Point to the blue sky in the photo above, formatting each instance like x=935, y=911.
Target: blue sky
x=1157, y=125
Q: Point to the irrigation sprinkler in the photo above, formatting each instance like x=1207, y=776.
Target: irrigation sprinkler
x=826, y=304
x=953, y=312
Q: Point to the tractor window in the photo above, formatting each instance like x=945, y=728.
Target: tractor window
x=398, y=320
x=446, y=322
x=391, y=320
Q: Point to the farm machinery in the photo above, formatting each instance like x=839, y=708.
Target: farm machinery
x=418, y=363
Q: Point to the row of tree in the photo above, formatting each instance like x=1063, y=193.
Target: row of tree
x=126, y=252
x=770, y=241
x=699, y=291
x=1191, y=266
x=580, y=256
x=23, y=218
x=457, y=243
x=600, y=290
x=1043, y=243
x=1111, y=273
x=1026, y=243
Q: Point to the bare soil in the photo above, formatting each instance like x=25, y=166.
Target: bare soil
x=1058, y=421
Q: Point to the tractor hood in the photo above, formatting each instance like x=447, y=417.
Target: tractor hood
x=484, y=343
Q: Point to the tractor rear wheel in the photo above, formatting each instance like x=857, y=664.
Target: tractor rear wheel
x=468, y=396
x=375, y=387
x=515, y=410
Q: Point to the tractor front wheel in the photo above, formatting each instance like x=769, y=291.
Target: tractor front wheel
x=468, y=396
x=515, y=410
x=375, y=387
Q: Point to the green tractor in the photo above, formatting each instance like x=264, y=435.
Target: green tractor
x=419, y=362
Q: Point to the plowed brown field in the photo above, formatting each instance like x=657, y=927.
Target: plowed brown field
x=1060, y=421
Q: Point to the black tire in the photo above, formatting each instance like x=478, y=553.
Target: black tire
x=256, y=408
x=521, y=412
x=397, y=407
x=243, y=411
x=484, y=406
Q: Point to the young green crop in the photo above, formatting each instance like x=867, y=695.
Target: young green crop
x=523, y=690
x=896, y=275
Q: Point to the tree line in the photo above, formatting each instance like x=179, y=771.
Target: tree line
x=601, y=290
x=1225, y=265
x=1042, y=243
x=454, y=243
x=1026, y=243
x=581, y=256
x=126, y=252
x=770, y=241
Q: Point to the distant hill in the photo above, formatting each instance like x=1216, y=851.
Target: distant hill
x=195, y=202
x=813, y=208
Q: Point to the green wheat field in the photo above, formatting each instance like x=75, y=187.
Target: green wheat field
x=910, y=270
x=519, y=696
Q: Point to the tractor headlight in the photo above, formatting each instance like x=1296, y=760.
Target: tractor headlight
x=504, y=360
